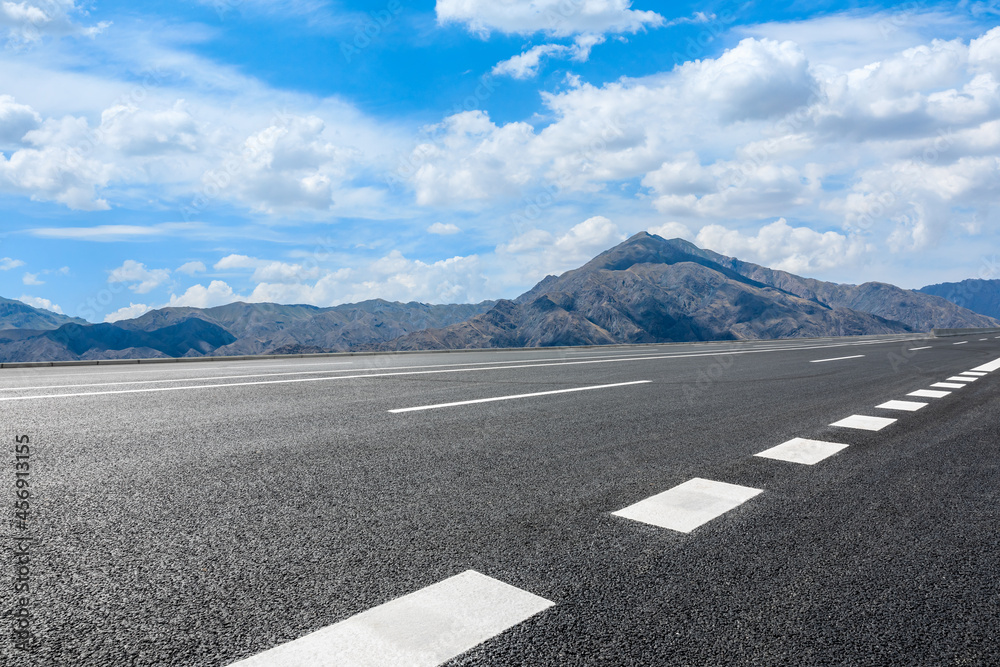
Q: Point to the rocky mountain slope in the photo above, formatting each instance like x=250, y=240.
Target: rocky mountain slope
x=981, y=296
x=19, y=315
x=648, y=289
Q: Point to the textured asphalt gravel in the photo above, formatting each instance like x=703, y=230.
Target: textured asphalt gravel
x=201, y=526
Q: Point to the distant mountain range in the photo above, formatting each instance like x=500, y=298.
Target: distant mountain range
x=649, y=289
x=644, y=290
x=982, y=296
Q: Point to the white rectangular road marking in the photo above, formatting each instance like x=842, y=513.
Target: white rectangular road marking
x=914, y=349
x=508, y=398
x=929, y=393
x=864, y=422
x=801, y=450
x=973, y=373
x=422, y=629
x=989, y=368
x=948, y=385
x=962, y=342
x=959, y=378
x=909, y=406
x=820, y=361
x=688, y=505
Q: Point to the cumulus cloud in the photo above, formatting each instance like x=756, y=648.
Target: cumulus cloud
x=553, y=17
x=269, y=270
x=525, y=65
x=134, y=131
x=6, y=263
x=778, y=245
x=16, y=120
x=443, y=229
x=39, y=302
x=536, y=253
x=141, y=279
x=32, y=279
x=131, y=311
x=191, y=268
x=218, y=293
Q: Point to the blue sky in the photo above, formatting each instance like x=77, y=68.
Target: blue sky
x=198, y=152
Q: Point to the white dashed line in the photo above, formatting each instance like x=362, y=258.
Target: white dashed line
x=948, y=385
x=929, y=393
x=801, y=450
x=422, y=629
x=914, y=349
x=688, y=505
x=864, y=422
x=990, y=367
x=820, y=361
x=959, y=378
x=973, y=373
x=909, y=406
x=962, y=342
x=508, y=398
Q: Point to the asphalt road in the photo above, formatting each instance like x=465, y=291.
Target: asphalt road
x=202, y=514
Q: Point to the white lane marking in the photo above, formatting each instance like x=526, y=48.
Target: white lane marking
x=151, y=368
x=929, y=393
x=688, y=505
x=959, y=378
x=507, y=398
x=948, y=385
x=977, y=374
x=963, y=342
x=864, y=422
x=914, y=349
x=988, y=368
x=982, y=339
x=422, y=629
x=451, y=368
x=801, y=450
x=820, y=361
x=909, y=406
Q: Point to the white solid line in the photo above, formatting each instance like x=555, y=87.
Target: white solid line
x=507, y=398
x=962, y=342
x=914, y=349
x=959, y=378
x=929, y=393
x=948, y=385
x=820, y=361
x=864, y=422
x=688, y=505
x=439, y=368
x=909, y=406
x=989, y=368
x=423, y=629
x=801, y=450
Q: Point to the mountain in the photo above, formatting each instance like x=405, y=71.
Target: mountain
x=19, y=315
x=269, y=328
x=981, y=296
x=234, y=329
x=648, y=289
x=189, y=337
x=921, y=311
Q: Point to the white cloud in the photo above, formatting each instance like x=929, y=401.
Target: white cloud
x=536, y=253
x=134, y=131
x=672, y=230
x=553, y=17
x=778, y=245
x=443, y=229
x=218, y=293
x=111, y=233
x=131, y=311
x=142, y=280
x=191, y=268
x=39, y=302
x=32, y=279
x=6, y=263
x=59, y=174
x=525, y=65
x=269, y=270
x=30, y=20
x=16, y=120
